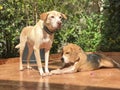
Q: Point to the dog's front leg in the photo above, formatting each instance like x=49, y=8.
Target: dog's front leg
x=46, y=60
x=70, y=69
x=38, y=59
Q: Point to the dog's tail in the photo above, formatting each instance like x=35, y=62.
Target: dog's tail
x=116, y=64
x=17, y=46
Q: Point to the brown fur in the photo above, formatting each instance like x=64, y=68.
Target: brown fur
x=76, y=59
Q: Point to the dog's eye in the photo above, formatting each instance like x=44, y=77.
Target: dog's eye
x=67, y=52
x=52, y=16
x=60, y=17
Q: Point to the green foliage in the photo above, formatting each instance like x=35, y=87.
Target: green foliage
x=86, y=25
x=90, y=36
x=111, y=31
x=11, y=21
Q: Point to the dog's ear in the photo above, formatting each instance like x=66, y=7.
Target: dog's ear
x=43, y=16
x=64, y=16
x=77, y=49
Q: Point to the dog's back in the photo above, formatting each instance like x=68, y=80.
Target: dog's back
x=94, y=60
x=91, y=62
x=26, y=30
x=24, y=34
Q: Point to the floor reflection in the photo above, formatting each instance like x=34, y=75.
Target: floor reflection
x=43, y=83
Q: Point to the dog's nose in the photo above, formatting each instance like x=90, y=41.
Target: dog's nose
x=62, y=59
x=59, y=23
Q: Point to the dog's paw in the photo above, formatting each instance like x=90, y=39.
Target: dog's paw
x=55, y=71
x=46, y=70
x=28, y=67
x=43, y=74
x=46, y=74
x=21, y=68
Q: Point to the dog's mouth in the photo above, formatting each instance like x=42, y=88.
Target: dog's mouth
x=67, y=63
x=59, y=26
x=70, y=62
x=55, y=29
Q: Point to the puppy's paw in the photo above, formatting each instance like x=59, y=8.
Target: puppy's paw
x=46, y=74
x=43, y=74
x=58, y=71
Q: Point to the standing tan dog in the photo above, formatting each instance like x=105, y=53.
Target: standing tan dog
x=75, y=59
x=40, y=36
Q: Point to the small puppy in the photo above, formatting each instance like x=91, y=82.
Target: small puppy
x=75, y=59
x=40, y=36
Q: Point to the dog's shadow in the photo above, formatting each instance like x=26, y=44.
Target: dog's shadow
x=54, y=64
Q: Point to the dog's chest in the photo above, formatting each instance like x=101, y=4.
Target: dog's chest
x=46, y=42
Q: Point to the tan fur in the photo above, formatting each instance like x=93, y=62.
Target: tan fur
x=74, y=54
x=36, y=38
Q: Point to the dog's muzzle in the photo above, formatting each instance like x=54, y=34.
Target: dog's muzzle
x=59, y=24
x=62, y=59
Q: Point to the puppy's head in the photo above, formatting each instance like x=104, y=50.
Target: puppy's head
x=53, y=19
x=70, y=53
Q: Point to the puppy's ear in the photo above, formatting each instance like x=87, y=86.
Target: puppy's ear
x=43, y=16
x=64, y=16
x=77, y=48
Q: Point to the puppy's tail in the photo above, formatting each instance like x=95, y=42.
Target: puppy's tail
x=116, y=64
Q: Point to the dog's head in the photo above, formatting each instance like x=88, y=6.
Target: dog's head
x=53, y=19
x=70, y=53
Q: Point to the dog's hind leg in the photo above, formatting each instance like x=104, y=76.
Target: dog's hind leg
x=30, y=50
x=22, y=46
x=109, y=63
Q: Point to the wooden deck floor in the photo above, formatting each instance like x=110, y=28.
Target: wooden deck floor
x=13, y=79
